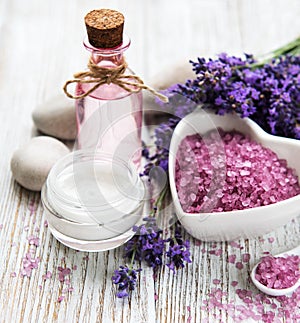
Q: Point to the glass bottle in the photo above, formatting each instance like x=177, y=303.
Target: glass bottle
x=110, y=118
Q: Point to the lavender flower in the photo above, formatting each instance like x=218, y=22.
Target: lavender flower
x=125, y=278
x=147, y=244
x=179, y=251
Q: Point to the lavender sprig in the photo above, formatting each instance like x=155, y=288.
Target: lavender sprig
x=149, y=246
x=179, y=250
x=125, y=278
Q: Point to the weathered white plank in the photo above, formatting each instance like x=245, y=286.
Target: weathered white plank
x=40, y=49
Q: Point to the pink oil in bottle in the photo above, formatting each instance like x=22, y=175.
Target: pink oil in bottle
x=110, y=118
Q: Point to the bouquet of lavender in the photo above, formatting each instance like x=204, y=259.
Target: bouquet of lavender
x=268, y=91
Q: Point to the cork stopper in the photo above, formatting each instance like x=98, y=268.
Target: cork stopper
x=104, y=28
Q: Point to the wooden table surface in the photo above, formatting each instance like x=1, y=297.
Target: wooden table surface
x=41, y=47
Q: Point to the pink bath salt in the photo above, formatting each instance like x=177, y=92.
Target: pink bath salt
x=234, y=283
x=63, y=273
x=239, y=265
x=233, y=173
x=246, y=257
x=271, y=239
x=29, y=263
x=278, y=272
x=34, y=240
x=48, y=275
x=231, y=259
x=216, y=281
x=60, y=298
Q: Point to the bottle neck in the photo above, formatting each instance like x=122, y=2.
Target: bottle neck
x=108, y=61
x=108, y=56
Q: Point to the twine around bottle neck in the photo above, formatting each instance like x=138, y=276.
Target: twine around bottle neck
x=101, y=75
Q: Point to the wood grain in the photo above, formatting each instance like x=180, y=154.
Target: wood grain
x=40, y=49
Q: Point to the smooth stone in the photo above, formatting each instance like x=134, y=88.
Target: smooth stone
x=175, y=73
x=178, y=72
x=56, y=117
x=31, y=163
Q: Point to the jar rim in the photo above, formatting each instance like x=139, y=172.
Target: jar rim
x=86, y=155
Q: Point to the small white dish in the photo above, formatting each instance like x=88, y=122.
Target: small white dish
x=273, y=291
x=248, y=223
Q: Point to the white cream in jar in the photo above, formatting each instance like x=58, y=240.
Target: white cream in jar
x=92, y=200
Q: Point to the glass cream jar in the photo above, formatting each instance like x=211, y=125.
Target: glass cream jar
x=92, y=200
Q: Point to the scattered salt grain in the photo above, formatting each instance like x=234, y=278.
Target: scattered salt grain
x=35, y=241
x=271, y=239
x=231, y=259
x=48, y=275
x=63, y=272
x=239, y=265
x=234, y=283
x=245, y=257
x=29, y=263
x=60, y=298
x=216, y=281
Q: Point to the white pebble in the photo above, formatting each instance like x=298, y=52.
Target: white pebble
x=56, y=117
x=31, y=164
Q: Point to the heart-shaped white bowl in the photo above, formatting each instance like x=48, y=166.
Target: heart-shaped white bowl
x=248, y=223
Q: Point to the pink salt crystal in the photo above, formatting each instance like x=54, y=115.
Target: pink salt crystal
x=216, y=281
x=218, y=252
x=271, y=239
x=234, y=283
x=197, y=243
x=13, y=274
x=245, y=257
x=34, y=240
x=48, y=275
x=239, y=265
x=231, y=259
x=29, y=263
x=60, y=298
x=193, y=197
x=234, y=244
x=45, y=223
x=63, y=272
